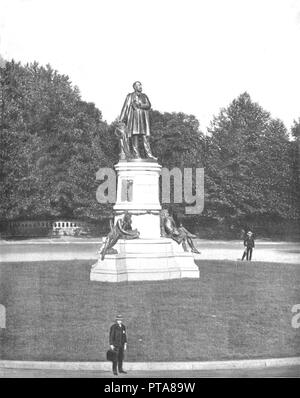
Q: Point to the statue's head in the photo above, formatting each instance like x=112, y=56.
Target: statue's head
x=120, y=129
x=127, y=217
x=121, y=125
x=164, y=213
x=137, y=86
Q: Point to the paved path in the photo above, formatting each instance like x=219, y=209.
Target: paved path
x=86, y=249
x=292, y=371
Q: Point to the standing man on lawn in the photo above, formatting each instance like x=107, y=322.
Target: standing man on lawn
x=249, y=245
x=118, y=342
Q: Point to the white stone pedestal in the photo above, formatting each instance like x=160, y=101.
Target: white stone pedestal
x=138, y=193
x=145, y=259
x=150, y=257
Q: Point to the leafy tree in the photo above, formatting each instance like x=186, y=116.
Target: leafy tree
x=51, y=145
x=295, y=165
x=247, y=163
x=296, y=129
x=177, y=141
x=2, y=61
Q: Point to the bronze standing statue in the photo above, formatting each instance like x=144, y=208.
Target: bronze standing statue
x=121, y=230
x=135, y=114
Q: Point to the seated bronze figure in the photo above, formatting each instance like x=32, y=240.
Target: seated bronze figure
x=180, y=234
x=121, y=230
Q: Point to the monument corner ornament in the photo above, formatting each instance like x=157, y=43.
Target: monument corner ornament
x=136, y=249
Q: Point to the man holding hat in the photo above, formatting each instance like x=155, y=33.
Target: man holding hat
x=118, y=342
x=249, y=245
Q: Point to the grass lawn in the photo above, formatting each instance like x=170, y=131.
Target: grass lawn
x=235, y=310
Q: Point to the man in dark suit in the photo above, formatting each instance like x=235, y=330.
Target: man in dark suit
x=118, y=342
x=249, y=245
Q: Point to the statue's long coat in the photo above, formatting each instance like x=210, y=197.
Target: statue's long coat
x=137, y=120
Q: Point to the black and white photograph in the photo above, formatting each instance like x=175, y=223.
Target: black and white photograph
x=149, y=191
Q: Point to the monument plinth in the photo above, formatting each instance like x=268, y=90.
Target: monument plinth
x=145, y=260
x=138, y=193
x=134, y=250
x=151, y=257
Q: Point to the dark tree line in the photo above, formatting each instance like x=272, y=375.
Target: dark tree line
x=248, y=162
x=251, y=167
x=52, y=144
